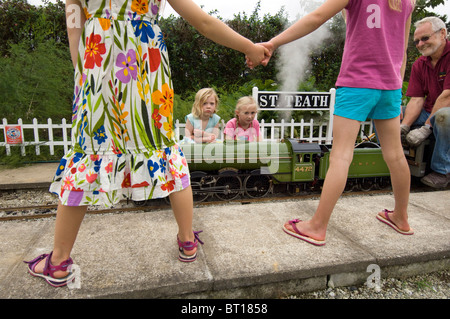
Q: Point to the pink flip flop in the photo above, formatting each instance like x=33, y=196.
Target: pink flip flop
x=389, y=222
x=299, y=235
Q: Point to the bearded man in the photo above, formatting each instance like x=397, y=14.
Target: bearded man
x=429, y=107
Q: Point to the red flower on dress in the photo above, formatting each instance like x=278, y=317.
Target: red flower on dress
x=109, y=167
x=81, y=168
x=91, y=177
x=127, y=181
x=68, y=183
x=156, y=117
x=94, y=50
x=154, y=57
x=143, y=184
x=169, y=186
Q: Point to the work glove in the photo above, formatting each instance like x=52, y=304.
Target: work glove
x=404, y=130
x=417, y=136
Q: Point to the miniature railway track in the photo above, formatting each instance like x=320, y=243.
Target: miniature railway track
x=49, y=211
x=40, y=211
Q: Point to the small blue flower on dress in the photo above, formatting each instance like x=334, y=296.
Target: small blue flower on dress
x=143, y=29
x=100, y=135
x=152, y=168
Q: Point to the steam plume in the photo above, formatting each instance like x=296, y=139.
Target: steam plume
x=294, y=57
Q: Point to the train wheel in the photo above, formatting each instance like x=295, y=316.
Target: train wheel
x=366, y=184
x=228, y=187
x=349, y=186
x=201, y=184
x=384, y=182
x=257, y=185
x=139, y=203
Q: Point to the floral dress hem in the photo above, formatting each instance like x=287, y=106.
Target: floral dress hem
x=83, y=179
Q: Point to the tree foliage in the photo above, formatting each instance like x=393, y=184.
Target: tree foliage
x=198, y=62
x=37, y=73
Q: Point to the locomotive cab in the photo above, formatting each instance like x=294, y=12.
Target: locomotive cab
x=304, y=157
x=419, y=158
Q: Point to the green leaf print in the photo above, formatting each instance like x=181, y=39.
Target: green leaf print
x=147, y=125
x=138, y=165
x=99, y=12
x=92, y=84
x=153, y=188
x=117, y=42
x=108, y=57
x=98, y=103
x=100, y=122
x=121, y=14
x=117, y=27
x=141, y=131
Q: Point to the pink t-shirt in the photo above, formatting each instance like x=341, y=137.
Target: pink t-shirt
x=234, y=130
x=374, y=45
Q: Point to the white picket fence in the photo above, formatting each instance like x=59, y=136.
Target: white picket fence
x=44, y=134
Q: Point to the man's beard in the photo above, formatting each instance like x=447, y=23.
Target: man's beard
x=429, y=50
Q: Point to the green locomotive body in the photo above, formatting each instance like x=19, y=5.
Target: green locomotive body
x=232, y=168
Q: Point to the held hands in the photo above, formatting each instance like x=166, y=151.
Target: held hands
x=267, y=48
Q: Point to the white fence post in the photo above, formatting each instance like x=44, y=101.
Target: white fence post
x=22, y=146
x=51, y=144
x=36, y=136
x=66, y=141
x=8, y=147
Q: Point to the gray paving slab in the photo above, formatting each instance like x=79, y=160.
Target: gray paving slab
x=246, y=254
x=27, y=176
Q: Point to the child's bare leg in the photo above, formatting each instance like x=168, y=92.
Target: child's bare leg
x=389, y=135
x=344, y=136
x=68, y=221
x=183, y=210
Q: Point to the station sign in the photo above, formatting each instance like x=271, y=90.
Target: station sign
x=13, y=134
x=295, y=100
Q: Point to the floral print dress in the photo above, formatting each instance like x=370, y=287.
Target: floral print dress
x=123, y=141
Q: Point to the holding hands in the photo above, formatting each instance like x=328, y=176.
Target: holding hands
x=268, y=48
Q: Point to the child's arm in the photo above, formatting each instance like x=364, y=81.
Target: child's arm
x=216, y=30
x=407, y=29
x=75, y=19
x=229, y=130
x=189, y=130
x=215, y=132
x=257, y=130
x=201, y=136
x=309, y=23
x=303, y=27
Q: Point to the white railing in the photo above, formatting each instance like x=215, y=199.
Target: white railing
x=44, y=134
x=267, y=100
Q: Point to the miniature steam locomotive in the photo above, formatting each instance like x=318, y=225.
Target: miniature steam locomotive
x=252, y=169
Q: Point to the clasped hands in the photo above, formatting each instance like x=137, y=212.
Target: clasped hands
x=256, y=58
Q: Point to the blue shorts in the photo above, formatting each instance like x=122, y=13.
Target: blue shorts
x=361, y=104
